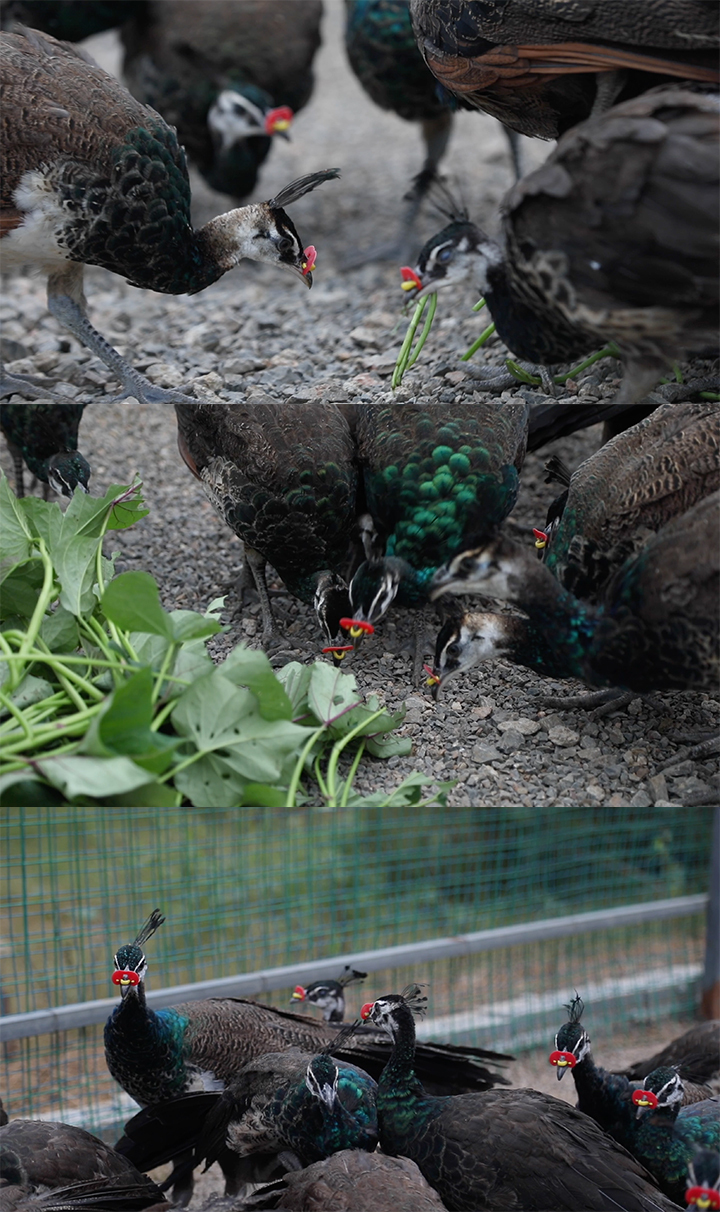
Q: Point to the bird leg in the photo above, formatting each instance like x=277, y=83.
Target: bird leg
x=677, y=393
x=708, y=747
x=600, y=702
x=513, y=139
x=23, y=385
x=66, y=302
x=608, y=86
x=271, y=636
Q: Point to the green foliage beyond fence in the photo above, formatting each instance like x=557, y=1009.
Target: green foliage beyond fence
x=256, y=889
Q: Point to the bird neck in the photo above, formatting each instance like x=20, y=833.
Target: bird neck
x=225, y=241
x=605, y=1096
x=537, y=337
x=566, y=624
x=398, y=1076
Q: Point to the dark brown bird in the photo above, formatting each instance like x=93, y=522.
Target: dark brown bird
x=696, y=1054
x=228, y=74
x=90, y=176
x=84, y=1172
x=614, y=238
x=542, y=66
x=352, y=1181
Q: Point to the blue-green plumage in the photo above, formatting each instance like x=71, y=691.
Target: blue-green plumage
x=665, y=1137
x=384, y=55
x=433, y=481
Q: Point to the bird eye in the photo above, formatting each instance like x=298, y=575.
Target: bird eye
x=453, y=650
x=284, y=244
x=445, y=255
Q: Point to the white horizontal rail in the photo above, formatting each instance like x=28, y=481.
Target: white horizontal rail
x=84, y=1014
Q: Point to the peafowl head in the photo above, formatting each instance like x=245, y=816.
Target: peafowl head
x=703, y=1180
x=263, y=231
x=321, y=1078
x=329, y=996
x=572, y=1042
x=234, y=116
x=373, y=590
x=67, y=470
x=661, y=1089
x=390, y=1011
x=130, y=962
x=458, y=253
x=466, y=641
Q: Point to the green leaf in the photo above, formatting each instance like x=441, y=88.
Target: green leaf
x=212, y=712
x=189, y=625
x=128, y=505
x=31, y=690
x=21, y=790
x=123, y=727
x=296, y=680
x=330, y=692
x=95, y=777
x=132, y=601
x=222, y=718
x=260, y=795
x=15, y=533
x=211, y=783
x=389, y=746
x=21, y=589
x=191, y=662
x=251, y=668
x=74, y=561
x=154, y=795
x=60, y=631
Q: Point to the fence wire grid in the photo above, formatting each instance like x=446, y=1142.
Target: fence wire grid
x=251, y=890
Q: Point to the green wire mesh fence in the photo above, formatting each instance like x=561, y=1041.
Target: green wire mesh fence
x=244, y=891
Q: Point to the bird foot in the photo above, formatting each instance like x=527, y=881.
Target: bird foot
x=146, y=392
x=598, y=703
x=23, y=385
x=677, y=393
x=485, y=378
x=709, y=746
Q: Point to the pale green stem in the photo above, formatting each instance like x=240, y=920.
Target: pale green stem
x=340, y=745
x=351, y=775
x=300, y=766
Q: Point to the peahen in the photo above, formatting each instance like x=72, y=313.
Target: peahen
x=44, y=436
x=91, y=176
x=283, y=476
x=68, y=1168
x=351, y=1181
x=656, y=627
x=228, y=74
x=541, y=66
x=329, y=995
x=500, y=1149
x=159, y=1055
x=614, y=239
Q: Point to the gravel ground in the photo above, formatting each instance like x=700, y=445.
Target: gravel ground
x=258, y=327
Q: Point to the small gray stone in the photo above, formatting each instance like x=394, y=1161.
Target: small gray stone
x=485, y=753
x=680, y=770
x=657, y=787
x=523, y=725
x=511, y=741
x=641, y=799
x=560, y=735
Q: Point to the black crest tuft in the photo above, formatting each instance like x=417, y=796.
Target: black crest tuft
x=145, y=932
x=349, y=975
x=415, y=998
x=303, y=185
x=575, y=1008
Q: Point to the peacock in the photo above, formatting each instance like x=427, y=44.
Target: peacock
x=228, y=74
x=657, y=625
x=432, y=479
x=666, y=1134
x=198, y=1048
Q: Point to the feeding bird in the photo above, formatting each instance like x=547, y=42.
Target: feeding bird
x=282, y=474
x=542, y=67
x=614, y=239
x=657, y=626
x=90, y=176
x=228, y=74
x=44, y=436
x=351, y=1181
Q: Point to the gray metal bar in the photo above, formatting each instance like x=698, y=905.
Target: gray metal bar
x=83, y=1014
